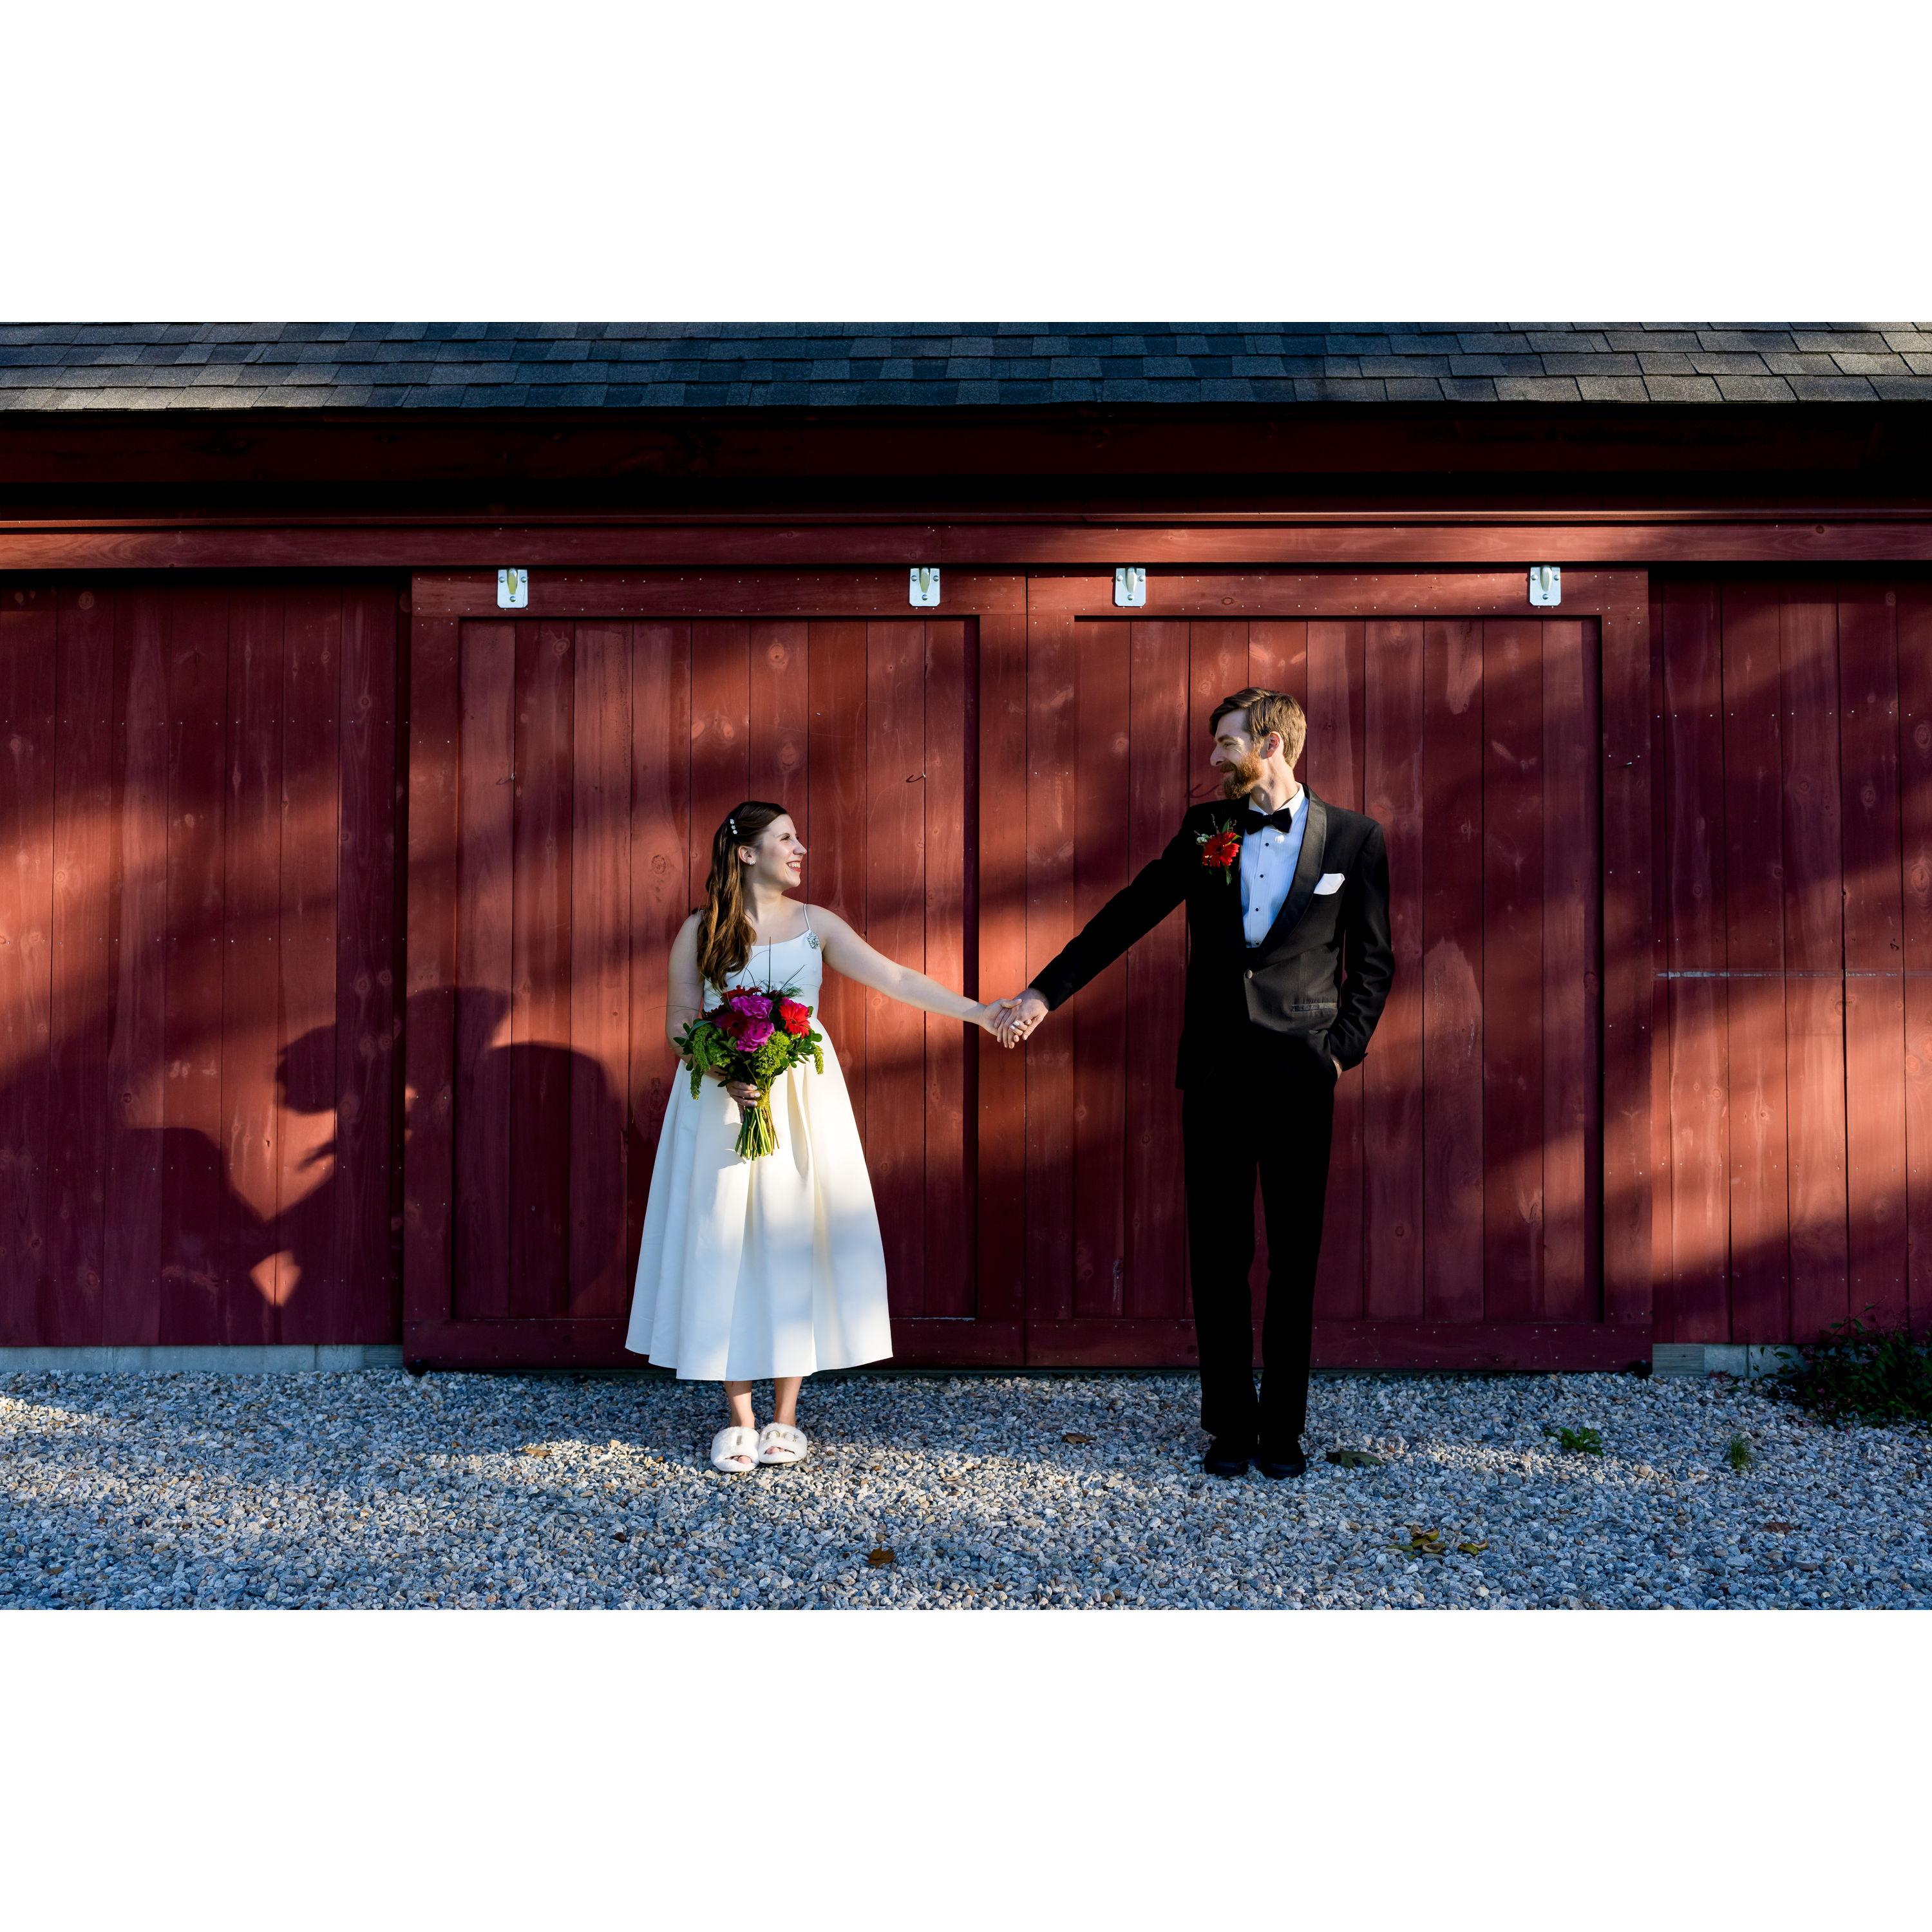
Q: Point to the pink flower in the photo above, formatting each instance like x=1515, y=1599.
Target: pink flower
x=753, y=1005
x=754, y=1034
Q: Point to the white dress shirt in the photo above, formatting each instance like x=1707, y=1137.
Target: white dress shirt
x=1268, y=860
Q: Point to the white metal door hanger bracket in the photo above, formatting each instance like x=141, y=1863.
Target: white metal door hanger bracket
x=924, y=592
x=1545, y=585
x=513, y=590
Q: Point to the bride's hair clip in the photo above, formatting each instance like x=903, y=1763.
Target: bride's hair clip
x=731, y=826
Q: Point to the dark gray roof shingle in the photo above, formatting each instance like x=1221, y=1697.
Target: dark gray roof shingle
x=692, y=365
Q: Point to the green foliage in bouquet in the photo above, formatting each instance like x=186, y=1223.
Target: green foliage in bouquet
x=756, y=1036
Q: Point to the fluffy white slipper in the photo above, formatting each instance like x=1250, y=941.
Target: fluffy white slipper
x=780, y=1442
x=734, y=1451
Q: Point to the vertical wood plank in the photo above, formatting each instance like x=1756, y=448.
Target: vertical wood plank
x=1098, y=1017
x=1053, y=743
x=429, y=1039
x=1875, y=1041
x=251, y=1041
x=485, y=812
x=1571, y=1019
x=661, y=889
x=1915, y=675
x=195, y=1209
x=540, y=912
x=1161, y=758
x=311, y=1279
x=1393, y=700
x=1815, y=1042
x=81, y=971
x=1512, y=805
x=1658, y=1233
x=365, y=1016
x=599, y=988
x=1001, y=898
x=1626, y=948
x=1333, y=769
x=130, y=1288
x=895, y=903
x=1754, y=914
x=949, y=793
x=837, y=803
x=1451, y=879
x=1699, y=1090
x=1278, y=656
x=780, y=706
x=1814, y=954
x=721, y=710
x=27, y=712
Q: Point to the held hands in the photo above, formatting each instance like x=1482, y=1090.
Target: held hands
x=1016, y=1017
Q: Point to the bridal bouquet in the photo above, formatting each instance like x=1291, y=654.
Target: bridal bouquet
x=754, y=1037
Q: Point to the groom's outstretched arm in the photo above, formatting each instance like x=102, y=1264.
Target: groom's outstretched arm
x=1136, y=909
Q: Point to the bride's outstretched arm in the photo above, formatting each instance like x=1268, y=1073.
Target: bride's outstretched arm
x=846, y=953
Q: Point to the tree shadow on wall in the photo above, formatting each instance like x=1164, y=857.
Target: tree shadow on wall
x=546, y=1234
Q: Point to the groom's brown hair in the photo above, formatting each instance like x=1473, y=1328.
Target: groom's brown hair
x=1267, y=711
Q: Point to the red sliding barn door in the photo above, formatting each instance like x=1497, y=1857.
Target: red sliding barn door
x=568, y=774
x=1465, y=1210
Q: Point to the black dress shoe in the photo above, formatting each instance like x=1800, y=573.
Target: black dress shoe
x=1226, y=1459
x=1278, y=1462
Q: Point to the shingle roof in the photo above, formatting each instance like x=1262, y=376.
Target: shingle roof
x=64, y=366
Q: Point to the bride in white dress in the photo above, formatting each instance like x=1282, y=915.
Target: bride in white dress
x=770, y=1268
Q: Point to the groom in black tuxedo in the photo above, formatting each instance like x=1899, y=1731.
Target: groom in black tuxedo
x=1289, y=967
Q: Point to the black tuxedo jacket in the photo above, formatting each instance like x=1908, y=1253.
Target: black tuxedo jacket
x=1292, y=986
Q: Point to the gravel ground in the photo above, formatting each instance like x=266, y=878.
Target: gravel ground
x=382, y=1489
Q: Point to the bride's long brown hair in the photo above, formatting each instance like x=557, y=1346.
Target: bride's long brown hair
x=724, y=934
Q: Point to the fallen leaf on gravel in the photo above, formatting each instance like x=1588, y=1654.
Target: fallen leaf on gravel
x=536, y=1449
x=1783, y=1528
x=879, y=1558
x=1069, y=1435
x=1472, y=1548
x=1421, y=1542
x=1355, y=1459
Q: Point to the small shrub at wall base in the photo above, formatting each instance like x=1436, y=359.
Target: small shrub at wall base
x=1855, y=1373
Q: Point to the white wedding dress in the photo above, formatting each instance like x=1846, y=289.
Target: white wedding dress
x=774, y=1267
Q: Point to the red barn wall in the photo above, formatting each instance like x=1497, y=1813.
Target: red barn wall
x=1792, y=1074
x=198, y=926
x=201, y=1112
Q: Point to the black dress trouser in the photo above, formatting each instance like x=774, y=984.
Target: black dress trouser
x=1229, y=1135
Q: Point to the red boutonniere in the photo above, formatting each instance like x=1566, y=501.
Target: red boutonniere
x=1221, y=849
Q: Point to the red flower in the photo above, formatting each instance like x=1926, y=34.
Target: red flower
x=794, y=1017
x=1221, y=851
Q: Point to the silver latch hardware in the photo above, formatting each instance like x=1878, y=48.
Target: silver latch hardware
x=1546, y=583
x=924, y=591
x=1130, y=585
x=513, y=590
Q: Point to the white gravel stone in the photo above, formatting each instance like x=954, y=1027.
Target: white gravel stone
x=378, y=1488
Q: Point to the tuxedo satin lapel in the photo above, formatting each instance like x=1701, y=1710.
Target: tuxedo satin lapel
x=1307, y=871
x=1224, y=894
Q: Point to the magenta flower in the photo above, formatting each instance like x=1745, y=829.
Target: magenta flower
x=753, y=1005
x=754, y=1035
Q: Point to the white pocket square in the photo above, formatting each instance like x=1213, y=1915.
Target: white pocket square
x=1329, y=882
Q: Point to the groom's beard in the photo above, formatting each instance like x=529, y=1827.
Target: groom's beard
x=1239, y=780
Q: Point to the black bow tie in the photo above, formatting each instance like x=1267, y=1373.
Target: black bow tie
x=1252, y=820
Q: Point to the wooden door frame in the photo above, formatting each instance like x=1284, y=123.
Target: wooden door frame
x=440, y=603
x=1619, y=601
x=1009, y=606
